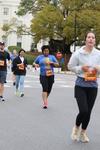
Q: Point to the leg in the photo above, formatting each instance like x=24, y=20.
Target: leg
x=3, y=75
x=44, y=83
x=50, y=81
x=13, y=78
x=50, y=84
x=17, y=83
x=1, y=89
x=44, y=97
x=81, y=98
x=21, y=85
x=91, y=97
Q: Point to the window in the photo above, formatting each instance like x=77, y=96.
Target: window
x=19, y=41
x=5, y=21
x=19, y=44
x=6, y=11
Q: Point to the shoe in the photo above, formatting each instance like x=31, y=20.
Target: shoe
x=17, y=93
x=14, y=83
x=83, y=137
x=2, y=99
x=75, y=134
x=45, y=105
x=21, y=95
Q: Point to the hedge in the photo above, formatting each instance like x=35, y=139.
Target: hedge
x=29, y=55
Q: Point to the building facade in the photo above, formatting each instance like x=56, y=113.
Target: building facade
x=8, y=9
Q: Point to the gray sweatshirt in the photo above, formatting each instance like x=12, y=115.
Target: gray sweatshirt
x=81, y=57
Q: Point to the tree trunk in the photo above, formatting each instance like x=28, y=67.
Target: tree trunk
x=66, y=60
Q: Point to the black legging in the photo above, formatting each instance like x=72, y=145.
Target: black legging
x=47, y=83
x=85, y=97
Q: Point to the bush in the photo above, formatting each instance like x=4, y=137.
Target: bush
x=11, y=48
x=29, y=55
x=30, y=58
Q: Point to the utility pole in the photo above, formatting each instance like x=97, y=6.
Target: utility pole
x=75, y=26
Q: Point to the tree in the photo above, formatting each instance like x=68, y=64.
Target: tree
x=31, y=6
x=15, y=26
x=69, y=25
x=46, y=22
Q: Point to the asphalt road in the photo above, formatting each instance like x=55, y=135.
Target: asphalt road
x=24, y=125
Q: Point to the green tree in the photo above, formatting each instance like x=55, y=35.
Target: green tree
x=15, y=26
x=63, y=20
x=31, y=6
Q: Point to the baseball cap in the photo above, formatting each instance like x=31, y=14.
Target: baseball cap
x=2, y=43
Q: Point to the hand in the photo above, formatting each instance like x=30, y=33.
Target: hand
x=51, y=63
x=85, y=68
x=20, y=64
x=97, y=68
x=36, y=66
x=94, y=71
x=48, y=63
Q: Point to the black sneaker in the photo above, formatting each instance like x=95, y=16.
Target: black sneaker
x=2, y=99
x=45, y=107
x=22, y=95
x=14, y=83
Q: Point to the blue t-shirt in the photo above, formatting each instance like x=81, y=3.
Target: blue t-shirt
x=41, y=61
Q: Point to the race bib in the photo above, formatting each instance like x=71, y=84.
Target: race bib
x=21, y=67
x=89, y=76
x=49, y=73
x=1, y=62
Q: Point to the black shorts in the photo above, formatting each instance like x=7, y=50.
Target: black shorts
x=47, y=82
x=3, y=75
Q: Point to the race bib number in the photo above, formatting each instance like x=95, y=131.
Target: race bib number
x=1, y=62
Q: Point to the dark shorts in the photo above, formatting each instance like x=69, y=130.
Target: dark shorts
x=3, y=75
x=47, y=82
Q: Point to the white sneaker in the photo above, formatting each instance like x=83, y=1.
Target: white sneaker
x=83, y=137
x=17, y=93
x=75, y=134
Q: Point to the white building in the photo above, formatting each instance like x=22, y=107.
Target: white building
x=8, y=10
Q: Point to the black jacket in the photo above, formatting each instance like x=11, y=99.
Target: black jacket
x=19, y=70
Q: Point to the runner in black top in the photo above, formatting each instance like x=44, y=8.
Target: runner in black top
x=4, y=55
x=19, y=68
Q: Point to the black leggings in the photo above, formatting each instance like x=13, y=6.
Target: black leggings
x=85, y=97
x=47, y=83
